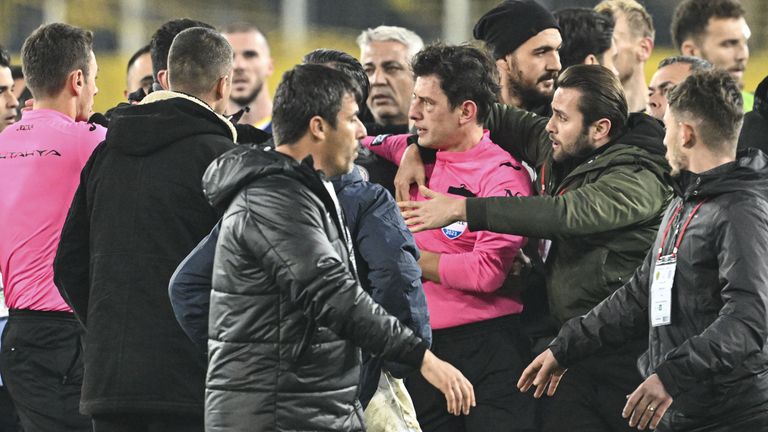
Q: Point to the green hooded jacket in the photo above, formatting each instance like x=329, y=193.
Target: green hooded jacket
x=601, y=216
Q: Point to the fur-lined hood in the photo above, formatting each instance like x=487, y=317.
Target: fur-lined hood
x=164, y=117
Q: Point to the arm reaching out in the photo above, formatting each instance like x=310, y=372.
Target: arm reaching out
x=544, y=373
x=437, y=211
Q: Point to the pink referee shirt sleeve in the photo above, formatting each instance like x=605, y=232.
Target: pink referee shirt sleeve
x=486, y=266
x=390, y=147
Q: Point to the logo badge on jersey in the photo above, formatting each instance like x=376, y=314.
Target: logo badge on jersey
x=454, y=230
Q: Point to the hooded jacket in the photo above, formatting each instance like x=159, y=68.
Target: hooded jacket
x=386, y=260
x=713, y=356
x=138, y=211
x=287, y=315
x=601, y=212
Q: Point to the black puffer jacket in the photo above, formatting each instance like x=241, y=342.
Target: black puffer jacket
x=286, y=314
x=713, y=357
x=137, y=213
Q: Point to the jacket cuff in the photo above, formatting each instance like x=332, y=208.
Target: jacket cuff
x=476, y=214
x=415, y=356
x=558, y=351
x=665, y=375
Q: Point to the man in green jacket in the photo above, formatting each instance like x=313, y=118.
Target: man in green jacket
x=602, y=191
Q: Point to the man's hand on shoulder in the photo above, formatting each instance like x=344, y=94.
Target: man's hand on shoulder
x=411, y=171
x=458, y=391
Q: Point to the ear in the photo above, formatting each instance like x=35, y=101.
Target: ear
x=689, y=48
x=590, y=59
x=317, y=128
x=687, y=135
x=602, y=129
x=162, y=78
x=502, y=66
x=76, y=82
x=646, y=48
x=270, y=67
x=467, y=112
x=220, y=88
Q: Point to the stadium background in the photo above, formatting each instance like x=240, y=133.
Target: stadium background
x=294, y=27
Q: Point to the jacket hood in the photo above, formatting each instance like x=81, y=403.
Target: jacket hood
x=162, y=118
x=233, y=170
x=645, y=132
x=748, y=173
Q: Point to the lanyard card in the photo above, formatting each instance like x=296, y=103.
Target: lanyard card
x=661, y=290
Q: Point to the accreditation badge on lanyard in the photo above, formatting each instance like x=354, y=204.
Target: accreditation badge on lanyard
x=664, y=272
x=661, y=290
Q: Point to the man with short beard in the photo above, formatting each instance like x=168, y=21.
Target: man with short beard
x=717, y=31
x=601, y=181
x=524, y=39
x=700, y=295
x=253, y=65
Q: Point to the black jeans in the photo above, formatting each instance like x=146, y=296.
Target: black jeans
x=147, y=423
x=593, y=393
x=42, y=366
x=492, y=355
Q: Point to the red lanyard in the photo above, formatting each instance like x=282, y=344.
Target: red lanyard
x=543, y=185
x=682, y=232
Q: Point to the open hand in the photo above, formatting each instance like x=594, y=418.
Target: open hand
x=458, y=391
x=647, y=403
x=544, y=372
x=438, y=211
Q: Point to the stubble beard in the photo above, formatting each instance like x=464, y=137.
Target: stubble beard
x=247, y=100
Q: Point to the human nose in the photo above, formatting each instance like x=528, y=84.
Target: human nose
x=554, y=62
x=550, y=127
x=12, y=101
x=362, y=132
x=377, y=77
x=742, y=53
x=413, y=112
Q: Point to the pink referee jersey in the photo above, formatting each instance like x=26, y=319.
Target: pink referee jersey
x=40, y=162
x=473, y=265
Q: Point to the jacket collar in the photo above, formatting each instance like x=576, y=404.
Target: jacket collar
x=162, y=95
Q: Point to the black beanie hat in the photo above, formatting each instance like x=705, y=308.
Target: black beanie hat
x=510, y=24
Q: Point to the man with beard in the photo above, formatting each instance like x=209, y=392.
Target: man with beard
x=700, y=296
x=634, y=35
x=524, y=39
x=602, y=192
x=717, y=31
x=253, y=65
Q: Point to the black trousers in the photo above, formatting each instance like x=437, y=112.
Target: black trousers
x=147, y=423
x=593, y=393
x=42, y=366
x=9, y=421
x=492, y=355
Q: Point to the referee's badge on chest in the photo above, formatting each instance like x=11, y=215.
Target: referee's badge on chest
x=454, y=230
